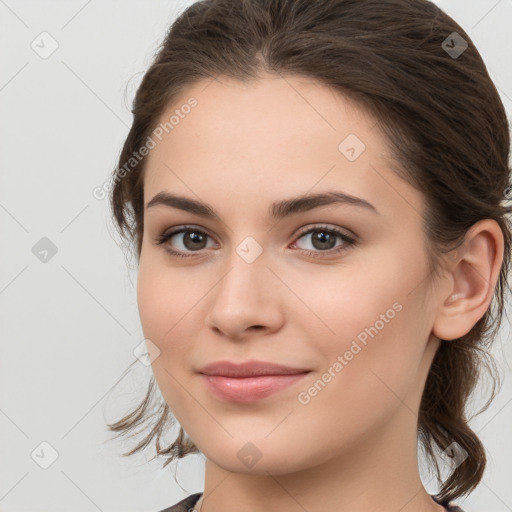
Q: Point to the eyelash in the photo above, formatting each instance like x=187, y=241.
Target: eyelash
x=349, y=241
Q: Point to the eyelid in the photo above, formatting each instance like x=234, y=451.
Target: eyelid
x=169, y=233
x=348, y=239
x=319, y=226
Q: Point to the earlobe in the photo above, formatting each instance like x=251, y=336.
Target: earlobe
x=473, y=276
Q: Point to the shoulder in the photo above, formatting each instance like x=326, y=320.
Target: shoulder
x=185, y=505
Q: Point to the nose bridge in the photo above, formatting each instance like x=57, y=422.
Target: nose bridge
x=244, y=297
x=245, y=278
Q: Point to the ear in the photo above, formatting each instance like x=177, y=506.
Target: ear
x=472, y=275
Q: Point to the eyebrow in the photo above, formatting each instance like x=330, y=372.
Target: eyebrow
x=278, y=210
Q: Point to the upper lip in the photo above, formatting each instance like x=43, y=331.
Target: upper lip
x=249, y=369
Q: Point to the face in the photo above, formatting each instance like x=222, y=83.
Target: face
x=336, y=289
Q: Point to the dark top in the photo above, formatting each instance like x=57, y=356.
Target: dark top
x=187, y=504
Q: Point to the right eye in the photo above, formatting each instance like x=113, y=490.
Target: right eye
x=194, y=241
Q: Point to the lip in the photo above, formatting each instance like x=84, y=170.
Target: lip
x=251, y=368
x=250, y=381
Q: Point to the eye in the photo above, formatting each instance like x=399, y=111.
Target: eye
x=195, y=240
x=324, y=238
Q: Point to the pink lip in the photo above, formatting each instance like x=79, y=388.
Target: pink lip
x=249, y=389
x=249, y=369
x=250, y=381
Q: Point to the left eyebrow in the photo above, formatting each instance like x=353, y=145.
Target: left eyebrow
x=278, y=209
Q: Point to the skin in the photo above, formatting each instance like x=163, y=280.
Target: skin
x=353, y=446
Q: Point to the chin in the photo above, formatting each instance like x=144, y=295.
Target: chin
x=258, y=457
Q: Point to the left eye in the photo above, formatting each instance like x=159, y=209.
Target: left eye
x=324, y=238
x=194, y=240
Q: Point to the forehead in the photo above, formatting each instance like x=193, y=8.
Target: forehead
x=270, y=138
x=270, y=110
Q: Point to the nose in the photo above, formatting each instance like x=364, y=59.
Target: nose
x=246, y=300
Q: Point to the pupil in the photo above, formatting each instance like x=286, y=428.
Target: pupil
x=194, y=237
x=324, y=238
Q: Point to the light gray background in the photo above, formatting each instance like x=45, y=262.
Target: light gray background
x=69, y=326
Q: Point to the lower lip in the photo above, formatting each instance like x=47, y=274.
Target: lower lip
x=249, y=389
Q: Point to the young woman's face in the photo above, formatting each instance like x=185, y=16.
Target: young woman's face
x=336, y=288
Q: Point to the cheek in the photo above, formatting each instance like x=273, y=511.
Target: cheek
x=152, y=300
x=373, y=317
x=370, y=372
x=344, y=300
x=166, y=315
x=165, y=297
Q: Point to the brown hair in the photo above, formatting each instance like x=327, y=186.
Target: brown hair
x=447, y=130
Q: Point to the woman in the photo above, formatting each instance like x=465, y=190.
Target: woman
x=316, y=194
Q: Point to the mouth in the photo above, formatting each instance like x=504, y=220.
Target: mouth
x=249, y=389
x=250, y=381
